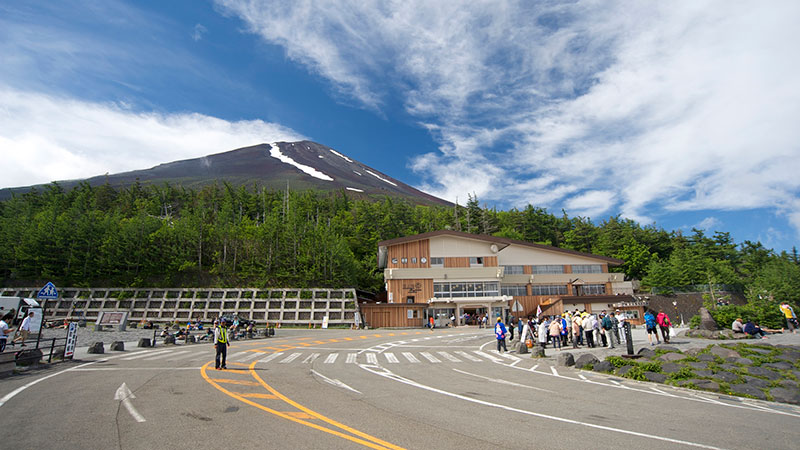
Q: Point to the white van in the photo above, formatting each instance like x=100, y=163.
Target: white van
x=20, y=307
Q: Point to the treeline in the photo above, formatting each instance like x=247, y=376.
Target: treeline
x=234, y=236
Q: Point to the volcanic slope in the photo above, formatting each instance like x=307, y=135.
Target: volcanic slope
x=300, y=165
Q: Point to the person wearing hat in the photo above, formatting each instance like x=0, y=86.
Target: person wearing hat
x=221, y=344
x=500, y=334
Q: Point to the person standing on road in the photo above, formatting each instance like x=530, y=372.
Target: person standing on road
x=500, y=334
x=608, y=326
x=221, y=344
x=791, y=318
x=664, y=323
x=587, y=329
x=555, y=332
x=430, y=323
x=24, y=329
x=4, y=331
x=650, y=324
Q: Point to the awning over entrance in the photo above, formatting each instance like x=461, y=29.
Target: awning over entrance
x=442, y=302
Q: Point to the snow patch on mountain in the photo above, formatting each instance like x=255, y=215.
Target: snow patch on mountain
x=340, y=155
x=358, y=173
x=354, y=189
x=275, y=152
x=380, y=177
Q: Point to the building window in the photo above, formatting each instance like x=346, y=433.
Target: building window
x=513, y=270
x=413, y=260
x=593, y=289
x=548, y=289
x=394, y=260
x=404, y=260
x=587, y=268
x=514, y=290
x=423, y=260
x=469, y=289
x=476, y=261
x=549, y=268
x=437, y=262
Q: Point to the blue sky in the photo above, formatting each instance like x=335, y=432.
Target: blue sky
x=682, y=114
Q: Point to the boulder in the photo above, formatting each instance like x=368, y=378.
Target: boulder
x=668, y=357
x=779, y=366
x=706, y=384
x=117, y=346
x=790, y=384
x=646, y=352
x=791, y=356
x=740, y=336
x=726, y=377
x=748, y=389
x=670, y=367
x=96, y=348
x=655, y=377
x=756, y=382
x=585, y=359
x=29, y=357
x=522, y=349
x=763, y=372
x=144, y=342
x=742, y=361
x=784, y=395
x=669, y=348
x=708, y=357
x=603, y=366
x=704, y=373
x=723, y=352
x=623, y=370
x=729, y=367
x=761, y=351
x=706, y=321
x=565, y=359
x=698, y=365
x=169, y=340
x=693, y=351
x=727, y=334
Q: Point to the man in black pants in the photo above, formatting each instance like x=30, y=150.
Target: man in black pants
x=220, y=343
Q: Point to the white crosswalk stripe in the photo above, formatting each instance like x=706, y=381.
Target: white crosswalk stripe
x=391, y=358
x=143, y=354
x=291, y=358
x=467, y=356
x=351, y=358
x=188, y=354
x=270, y=357
x=410, y=357
x=430, y=357
x=449, y=357
x=310, y=359
x=166, y=355
x=372, y=358
x=251, y=355
x=331, y=358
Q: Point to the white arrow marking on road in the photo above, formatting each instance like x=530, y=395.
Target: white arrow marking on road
x=334, y=382
x=125, y=395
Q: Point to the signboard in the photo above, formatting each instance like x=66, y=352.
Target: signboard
x=410, y=314
x=114, y=318
x=357, y=317
x=517, y=307
x=325, y=321
x=48, y=292
x=72, y=338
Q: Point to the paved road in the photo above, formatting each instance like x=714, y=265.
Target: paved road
x=354, y=389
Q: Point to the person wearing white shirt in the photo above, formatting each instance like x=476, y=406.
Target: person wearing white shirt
x=24, y=329
x=4, y=332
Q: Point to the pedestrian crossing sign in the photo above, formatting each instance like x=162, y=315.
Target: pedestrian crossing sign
x=48, y=292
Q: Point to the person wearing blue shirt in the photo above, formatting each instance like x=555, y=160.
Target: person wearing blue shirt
x=500, y=334
x=652, y=326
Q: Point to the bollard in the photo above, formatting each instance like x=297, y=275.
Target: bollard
x=628, y=338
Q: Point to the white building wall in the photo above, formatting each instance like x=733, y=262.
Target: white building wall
x=448, y=246
x=519, y=255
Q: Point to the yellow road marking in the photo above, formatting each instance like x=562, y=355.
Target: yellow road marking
x=299, y=414
x=256, y=395
x=241, y=382
x=287, y=416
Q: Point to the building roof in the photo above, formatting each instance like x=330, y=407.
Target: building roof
x=496, y=240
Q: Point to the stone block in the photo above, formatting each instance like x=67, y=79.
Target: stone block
x=706, y=321
x=565, y=359
x=144, y=342
x=756, y=382
x=723, y=352
x=522, y=349
x=761, y=351
x=623, y=370
x=646, y=352
x=96, y=348
x=739, y=336
x=764, y=372
x=779, y=366
x=790, y=384
x=784, y=395
x=603, y=366
x=693, y=351
x=743, y=361
x=655, y=377
x=706, y=384
x=706, y=357
x=698, y=365
x=726, y=377
x=670, y=367
x=669, y=348
x=703, y=373
x=28, y=357
x=669, y=357
x=729, y=367
x=790, y=356
x=117, y=346
x=169, y=340
x=748, y=389
x=586, y=358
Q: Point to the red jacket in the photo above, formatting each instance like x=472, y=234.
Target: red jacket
x=663, y=320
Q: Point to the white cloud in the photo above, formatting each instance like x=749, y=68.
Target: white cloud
x=708, y=224
x=46, y=138
x=659, y=107
x=199, y=31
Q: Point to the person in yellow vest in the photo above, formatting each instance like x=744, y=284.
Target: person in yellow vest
x=221, y=344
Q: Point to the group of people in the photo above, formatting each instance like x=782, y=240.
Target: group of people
x=576, y=328
x=21, y=333
x=750, y=328
x=655, y=323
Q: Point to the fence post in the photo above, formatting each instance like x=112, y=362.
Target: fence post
x=52, y=346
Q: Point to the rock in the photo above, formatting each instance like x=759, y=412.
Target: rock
x=756, y=382
x=522, y=349
x=742, y=361
x=763, y=372
x=565, y=360
x=586, y=358
x=706, y=384
x=29, y=357
x=706, y=357
x=538, y=351
x=784, y=395
x=646, y=352
x=706, y=321
x=727, y=334
x=655, y=377
x=723, y=352
x=704, y=373
x=669, y=348
x=671, y=357
x=96, y=348
x=670, y=367
x=714, y=335
x=790, y=384
x=748, y=390
x=623, y=370
x=779, y=366
x=144, y=342
x=117, y=346
x=603, y=366
x=729, y=367
x=740, y=336
x=693, y=351
x=726, y=377
x=761, y=351
x=791, y=356
x=169, y=340
x=698, y=365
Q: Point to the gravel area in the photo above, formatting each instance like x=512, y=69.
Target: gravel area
x=87, y=336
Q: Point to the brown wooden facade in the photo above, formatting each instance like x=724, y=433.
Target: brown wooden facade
x=417, y=291
x=394, y=314
x=410, y=255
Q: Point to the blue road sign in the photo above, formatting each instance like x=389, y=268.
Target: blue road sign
x=49, y=291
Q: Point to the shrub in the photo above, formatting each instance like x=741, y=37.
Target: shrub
x=694, y=322
x=684, y=373
x=763, y=312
